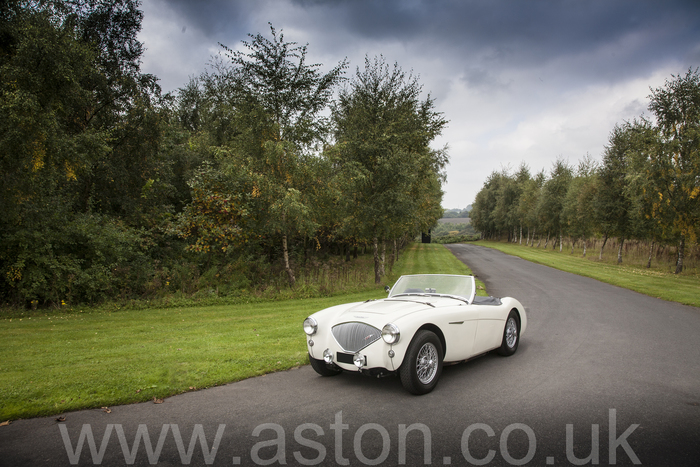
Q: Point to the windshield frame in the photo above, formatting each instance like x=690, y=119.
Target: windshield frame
x=433, y=278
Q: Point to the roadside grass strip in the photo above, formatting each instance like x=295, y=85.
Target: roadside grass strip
x=60, y=362
x=682, y=288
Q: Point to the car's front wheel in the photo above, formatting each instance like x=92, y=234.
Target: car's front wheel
x=322, y=368
x=511, y=335
x=422, y=365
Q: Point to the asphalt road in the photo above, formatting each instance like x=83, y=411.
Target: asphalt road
x=603, y=376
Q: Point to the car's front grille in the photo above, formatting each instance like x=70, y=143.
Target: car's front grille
x=355, y=336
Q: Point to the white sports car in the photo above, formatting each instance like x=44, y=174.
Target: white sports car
x=427, y=320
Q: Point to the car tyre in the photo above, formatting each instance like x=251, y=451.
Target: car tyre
x=322, y=368
x=511, y=335
x=422, y=365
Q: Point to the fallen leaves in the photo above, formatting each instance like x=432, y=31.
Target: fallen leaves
x=5, y=423
x=157, y=401
x=61, y=419
x=106, y=410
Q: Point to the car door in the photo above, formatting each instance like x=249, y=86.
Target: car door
x=489, y=329
x=459, y=325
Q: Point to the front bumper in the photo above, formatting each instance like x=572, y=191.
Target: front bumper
x=378, y=358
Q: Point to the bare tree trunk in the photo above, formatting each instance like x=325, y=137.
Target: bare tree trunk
x=521, y=234
x=572, y=245
x=561, y=242
x=584, y=247
x=546, y=241
x=375, y=250
x=681, y=252
x=651, y=252
x=396, y=251
x=619, y=250
x=287, y=267
x=605, y=240
x=382, y=268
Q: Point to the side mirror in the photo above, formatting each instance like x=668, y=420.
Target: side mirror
x=387, y=289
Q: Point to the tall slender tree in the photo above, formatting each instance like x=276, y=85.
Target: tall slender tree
x=383, y=132
x=268, y=110
x=551, y=202
x=674, y=169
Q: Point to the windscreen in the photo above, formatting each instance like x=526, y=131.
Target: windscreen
x=440, y=284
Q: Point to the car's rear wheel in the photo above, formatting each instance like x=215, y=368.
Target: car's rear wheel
x=511, y=335
x=422, y=365
x=322, y=368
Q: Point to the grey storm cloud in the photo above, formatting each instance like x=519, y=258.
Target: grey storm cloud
x=513, y=33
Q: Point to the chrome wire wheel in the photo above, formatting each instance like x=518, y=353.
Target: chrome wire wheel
x=511, y=332
x=427, y=363
x=422, y=364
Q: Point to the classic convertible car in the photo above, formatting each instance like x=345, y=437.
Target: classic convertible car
x=427, y=320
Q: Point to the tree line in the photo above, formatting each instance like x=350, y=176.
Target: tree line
x=647, y=186
x=110, y=187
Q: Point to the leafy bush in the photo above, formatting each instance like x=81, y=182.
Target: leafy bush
x=84, y=259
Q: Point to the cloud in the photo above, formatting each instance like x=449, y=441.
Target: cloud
x=518, y=81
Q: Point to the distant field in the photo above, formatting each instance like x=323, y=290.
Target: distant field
x=455, y=220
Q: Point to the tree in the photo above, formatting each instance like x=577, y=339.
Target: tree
x=484, y=207
x=507, y=197
x=292, y=92
x=646, y=217
x=613, y=205
x=674, y=168
x=392, y=177
x=578, y=211
x=67, y=113
x=551, y=203
x=265, y=106
x=529, y=201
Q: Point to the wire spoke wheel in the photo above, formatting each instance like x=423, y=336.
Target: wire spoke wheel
x=427, y=363
x=511, y=332
x=422, y=363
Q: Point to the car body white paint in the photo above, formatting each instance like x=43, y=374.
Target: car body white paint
x=466, y=329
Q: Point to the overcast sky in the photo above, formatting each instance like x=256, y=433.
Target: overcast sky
x=519, y=81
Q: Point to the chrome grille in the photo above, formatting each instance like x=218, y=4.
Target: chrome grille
x=355, y=336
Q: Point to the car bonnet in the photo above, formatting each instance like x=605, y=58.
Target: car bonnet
x=380, y=312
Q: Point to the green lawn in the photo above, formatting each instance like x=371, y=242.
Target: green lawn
x=682, y=288
x=55, y=363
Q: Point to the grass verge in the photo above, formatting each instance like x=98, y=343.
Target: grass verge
x=58, y=362
x=681, y=288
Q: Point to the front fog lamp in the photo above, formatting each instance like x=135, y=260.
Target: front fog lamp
x=328, y=356
x=359, y=360
x=391, y=334
x=310, y=326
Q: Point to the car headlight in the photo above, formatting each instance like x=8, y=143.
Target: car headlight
x=310, y=326
x=390, y=333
